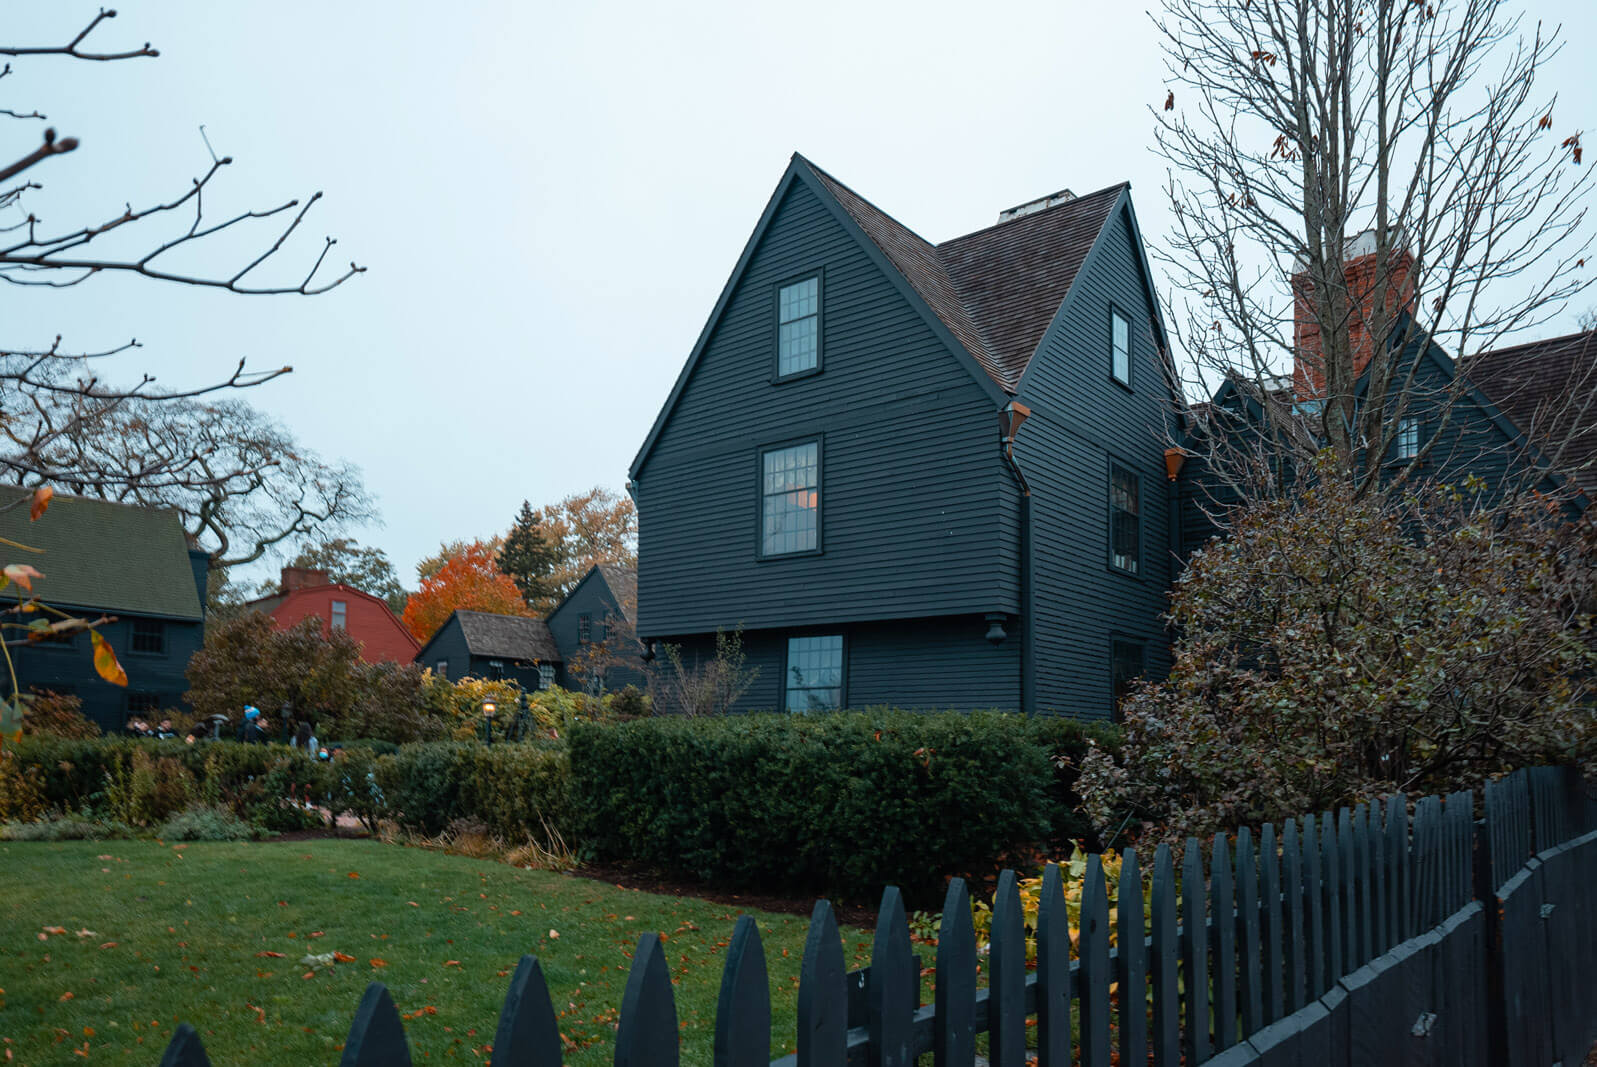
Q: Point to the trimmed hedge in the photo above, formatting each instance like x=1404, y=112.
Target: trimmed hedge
x=842, y=803
x=516, y=791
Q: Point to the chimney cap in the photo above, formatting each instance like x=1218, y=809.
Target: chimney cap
x=1031, y=207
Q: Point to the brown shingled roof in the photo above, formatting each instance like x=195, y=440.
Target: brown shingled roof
x=1549, y=390
x=507, y=636
x=996, y=290
x=623, y=583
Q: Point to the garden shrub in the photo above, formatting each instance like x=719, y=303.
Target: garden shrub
x=50, y=714
x=844, y=802
x=66, y=826
x=206, y=823
x=147, y=789
x=514, y=790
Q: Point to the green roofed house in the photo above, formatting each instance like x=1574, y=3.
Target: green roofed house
x=98, y=559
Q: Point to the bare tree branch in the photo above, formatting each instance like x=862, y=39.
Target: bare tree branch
x=71, y=47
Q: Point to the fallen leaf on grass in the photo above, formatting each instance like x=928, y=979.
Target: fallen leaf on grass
x=273, y=955
x=66, y=996
x=343, y=957
x=354, y=874
x=379, y=963
x=451, y=963
x=86, y=933
x=108, y=944
x=308, y=974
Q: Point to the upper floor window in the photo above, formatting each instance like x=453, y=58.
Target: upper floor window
x=546, y=676
x=1125, y=520
x=584, y=629
x=1119, y=347
x=814, y=673
x=798, y=327
x=790, y=499
x=340, y=614
x=1407, y=444
x=149, y=635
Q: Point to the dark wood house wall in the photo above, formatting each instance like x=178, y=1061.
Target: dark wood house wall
x=156, y=680
x=594, y=599
x=1083, y=421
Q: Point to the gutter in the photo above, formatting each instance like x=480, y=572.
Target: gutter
x=1010, y=419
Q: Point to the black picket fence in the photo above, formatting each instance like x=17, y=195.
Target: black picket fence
x=1353, y=939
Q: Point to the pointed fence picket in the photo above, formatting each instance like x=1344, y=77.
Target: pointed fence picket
x=1369, y=916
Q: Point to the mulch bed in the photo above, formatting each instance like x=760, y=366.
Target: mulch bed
x=647, y=881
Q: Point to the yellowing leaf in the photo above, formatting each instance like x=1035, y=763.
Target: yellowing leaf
x=105, y=661
x=41, y=500
x=23, y=574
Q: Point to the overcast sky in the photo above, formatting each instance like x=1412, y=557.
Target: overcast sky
x=550, y=196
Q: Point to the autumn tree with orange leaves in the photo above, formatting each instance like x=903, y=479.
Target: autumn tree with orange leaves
x=469, y=580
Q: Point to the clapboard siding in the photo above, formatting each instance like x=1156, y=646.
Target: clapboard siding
x=920, y=664
x=68, y=668
x=594, y=598
x=1082, y=420
x=912, y=486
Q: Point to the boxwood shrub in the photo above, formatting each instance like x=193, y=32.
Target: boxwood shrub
x=513, y=790
x=841, y=803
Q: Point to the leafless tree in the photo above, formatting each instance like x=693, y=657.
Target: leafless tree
x=241, y=483
x=1410, y=134
x=52, y=398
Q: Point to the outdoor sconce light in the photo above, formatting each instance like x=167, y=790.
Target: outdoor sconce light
x=995, y=630
x=488, y=709
x=648, y=652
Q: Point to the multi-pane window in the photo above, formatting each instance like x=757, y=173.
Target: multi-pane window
x=441, y=668
x=790, y=499
x=584, y=629
x=340, y=614
x=149, y=636
x=496, y=669
x=814, y=673
x=1408, y=439
x=143, y=703
x=798, y=327
x=1125, y=667
x=1120, y=347
x=546, y=676
x=1125, y=520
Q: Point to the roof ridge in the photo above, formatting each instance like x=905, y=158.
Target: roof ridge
x=1073, y=202
x=1544, y=342
x=862, y=198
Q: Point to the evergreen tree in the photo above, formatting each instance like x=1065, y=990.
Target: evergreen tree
x=529, y=557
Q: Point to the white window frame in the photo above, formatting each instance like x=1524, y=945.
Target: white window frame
x=771, y=544
x=1119, y=355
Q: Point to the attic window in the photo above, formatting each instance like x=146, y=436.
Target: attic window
x=1119, y=347
x=798, y=327
x=340, y=615
x=584, y=629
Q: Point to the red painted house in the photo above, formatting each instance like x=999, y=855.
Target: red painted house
x=304, y=592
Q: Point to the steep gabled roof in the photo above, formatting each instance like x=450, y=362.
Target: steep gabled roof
x=996, y=289
x=623, y=583
x=507, y=636
x=1548, y=389
x=103, y=556
x=990, y=295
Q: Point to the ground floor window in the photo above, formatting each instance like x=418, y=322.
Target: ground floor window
x=1125, y=667
x=814, y=673
x=546, y=676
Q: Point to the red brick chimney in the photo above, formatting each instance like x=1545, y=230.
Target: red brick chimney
x=302, y=578
x=1358, y=268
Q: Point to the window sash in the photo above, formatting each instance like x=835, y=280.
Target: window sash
x=149, y=636
x=814, y=679
x=546, y=676
x=790, y=499
x=1120, y=347
x=1408, y=438
x=1125, y=520
x=798, y=327
x=340, y=615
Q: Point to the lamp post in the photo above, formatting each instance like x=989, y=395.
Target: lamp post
x=523, y=717
x=488, y=709
x=287, y=712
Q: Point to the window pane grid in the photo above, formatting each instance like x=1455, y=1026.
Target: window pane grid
x=798, y=326
x=1408, y=439
x=1125, y=523
x=1120, y=346
x=790, y=499
x=814, y=673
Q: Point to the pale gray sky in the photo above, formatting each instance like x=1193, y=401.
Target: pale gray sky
x=550, y=196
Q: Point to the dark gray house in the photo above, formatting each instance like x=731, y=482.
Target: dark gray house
x=478, y=644
x=596, y=621
x=922, y=475
x=1513, y=413
x=131, y=563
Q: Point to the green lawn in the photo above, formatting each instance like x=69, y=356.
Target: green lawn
x=157, y=934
